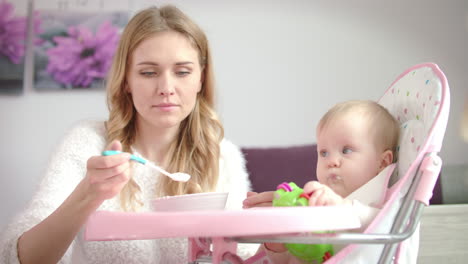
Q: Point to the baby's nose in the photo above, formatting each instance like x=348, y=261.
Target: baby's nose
x=334, y=162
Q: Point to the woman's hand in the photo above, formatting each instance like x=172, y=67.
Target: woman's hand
x=322, y=195
x=107, y=175
x=254, y=199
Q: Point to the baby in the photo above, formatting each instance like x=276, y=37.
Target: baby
x=356, y=140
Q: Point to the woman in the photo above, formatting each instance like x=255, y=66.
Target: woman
x=160, y=98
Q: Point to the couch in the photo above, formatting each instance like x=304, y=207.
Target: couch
x=268, y=167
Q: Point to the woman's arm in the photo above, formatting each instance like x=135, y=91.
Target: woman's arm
x=47, y=241
x=63, y=200
x=104, y=179
x=233, y=176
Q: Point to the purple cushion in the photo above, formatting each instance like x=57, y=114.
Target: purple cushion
x=269, y=167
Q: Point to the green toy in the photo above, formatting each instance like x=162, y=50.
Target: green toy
x=288, y=194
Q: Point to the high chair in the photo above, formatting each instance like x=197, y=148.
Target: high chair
x=419, y=98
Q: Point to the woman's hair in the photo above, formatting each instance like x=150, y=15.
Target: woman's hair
x=196, y=148
x=383, y=125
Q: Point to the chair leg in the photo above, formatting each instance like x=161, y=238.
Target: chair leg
x=198, y=247
x=225, y=250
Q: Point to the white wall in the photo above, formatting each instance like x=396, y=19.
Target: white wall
x=279, y=67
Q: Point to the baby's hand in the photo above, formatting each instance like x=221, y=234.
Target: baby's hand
x=254, y=199
x=322, y=195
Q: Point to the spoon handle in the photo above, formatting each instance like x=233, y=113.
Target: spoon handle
x=154, y=166
x=132, y=157
x=175, y=176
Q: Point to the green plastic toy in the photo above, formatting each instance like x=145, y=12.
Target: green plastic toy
x=289, y=194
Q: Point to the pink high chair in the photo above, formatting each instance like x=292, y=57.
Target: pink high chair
x=419, y=99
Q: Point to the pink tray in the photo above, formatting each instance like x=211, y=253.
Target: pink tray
x=105, y=225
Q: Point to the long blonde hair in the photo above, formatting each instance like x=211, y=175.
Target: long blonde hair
x=196, y=149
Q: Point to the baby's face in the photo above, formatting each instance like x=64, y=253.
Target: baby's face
x=347, y=155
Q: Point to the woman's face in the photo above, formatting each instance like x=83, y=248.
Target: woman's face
x=164, y=78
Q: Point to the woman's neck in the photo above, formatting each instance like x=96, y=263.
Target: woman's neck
x=153, y=142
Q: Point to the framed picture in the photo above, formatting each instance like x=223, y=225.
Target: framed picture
x=76, y=44
x=13, y=34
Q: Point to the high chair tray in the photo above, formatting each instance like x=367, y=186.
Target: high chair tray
x=106, y=225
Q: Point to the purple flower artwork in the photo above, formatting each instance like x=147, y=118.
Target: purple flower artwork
x=82, y=56
x=77, y=49
x=13, y=33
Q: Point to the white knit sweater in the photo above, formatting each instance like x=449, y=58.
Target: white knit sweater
x=68, y=167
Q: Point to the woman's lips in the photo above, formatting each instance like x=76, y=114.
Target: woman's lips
x=166, y=107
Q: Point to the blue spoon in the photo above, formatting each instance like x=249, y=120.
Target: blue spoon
x=178, y=176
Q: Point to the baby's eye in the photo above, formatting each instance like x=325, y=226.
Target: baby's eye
x=323, y=153
x=347, y=150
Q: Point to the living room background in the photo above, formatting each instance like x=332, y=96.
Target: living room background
x=279, y=67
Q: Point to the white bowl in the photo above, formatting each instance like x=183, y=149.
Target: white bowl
x=191, y=202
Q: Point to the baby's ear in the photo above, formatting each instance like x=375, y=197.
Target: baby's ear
x=386, y=159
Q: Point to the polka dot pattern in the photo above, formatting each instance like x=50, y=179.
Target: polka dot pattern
x=416, y=109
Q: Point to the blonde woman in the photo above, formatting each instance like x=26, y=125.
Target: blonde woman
x=160, y=97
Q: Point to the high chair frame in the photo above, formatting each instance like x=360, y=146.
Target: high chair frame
x=213, y=241
x=410, y=212
x=419, y=193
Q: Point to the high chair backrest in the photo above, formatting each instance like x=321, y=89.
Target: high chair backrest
x=419, y=98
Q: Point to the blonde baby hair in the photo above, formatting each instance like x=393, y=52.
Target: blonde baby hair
x=385, y=128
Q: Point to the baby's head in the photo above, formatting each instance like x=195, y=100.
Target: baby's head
x=355, y=141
